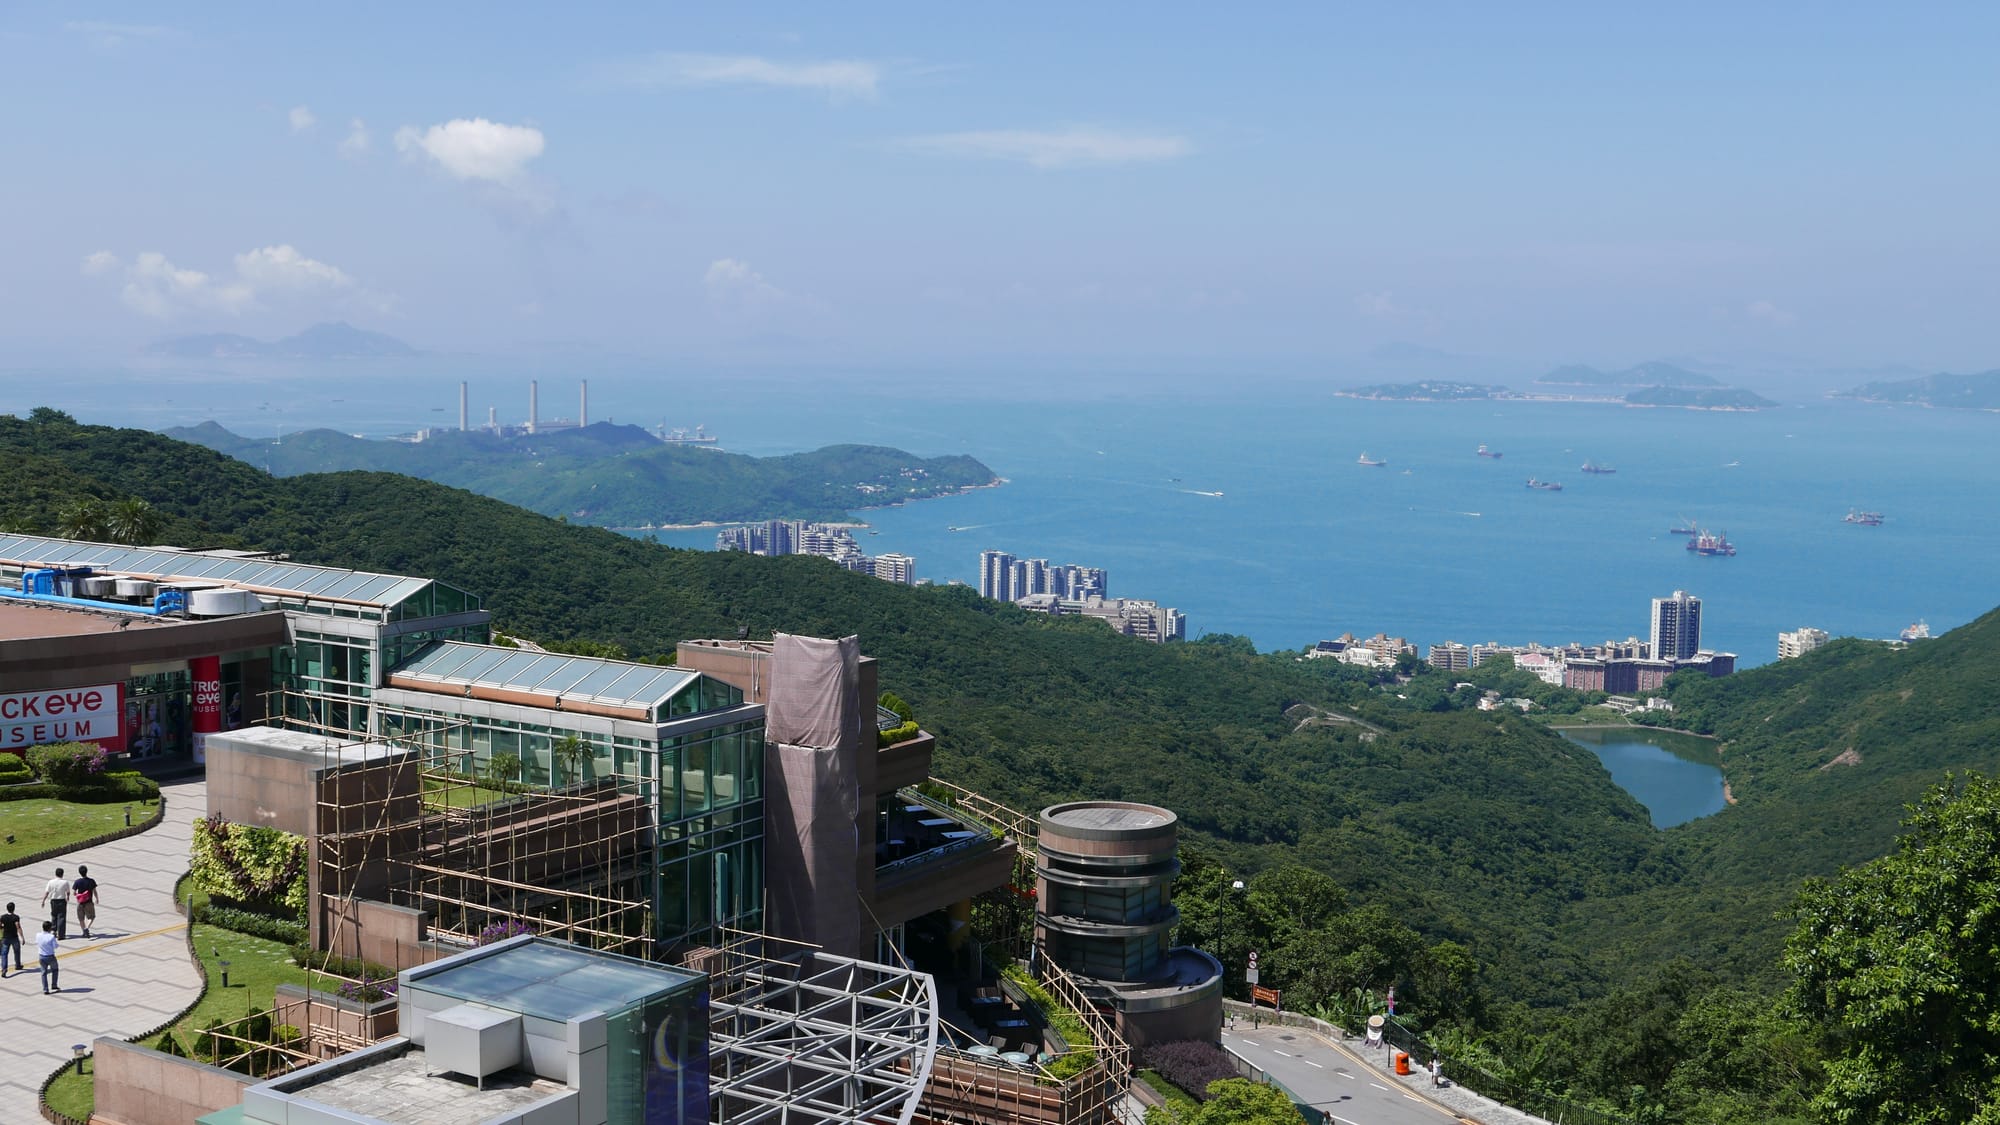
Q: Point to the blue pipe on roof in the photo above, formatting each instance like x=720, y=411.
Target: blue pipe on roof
x=166, y=601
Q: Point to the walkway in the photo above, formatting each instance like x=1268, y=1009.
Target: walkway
x=132, y=975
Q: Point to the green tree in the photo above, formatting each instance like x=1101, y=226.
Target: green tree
x=1896, y=960
x=131, y=521
x=504, y=766
x=572, y=758
x=1232, y=1101
x=82, y=518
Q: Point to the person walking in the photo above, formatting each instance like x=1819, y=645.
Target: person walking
x=10, y=938
x=45, y=944
x=83, y=892
x=55, y=896
x=1437, y=1072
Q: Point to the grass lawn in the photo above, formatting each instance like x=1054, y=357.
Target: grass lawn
x=460, y=796
x=1590, y=717
x=45, y=823
x=256, y=967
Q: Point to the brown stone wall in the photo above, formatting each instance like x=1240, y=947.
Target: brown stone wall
x=261, y=790
x=140, y=1086
x=396, y=936
x=1200, y=1020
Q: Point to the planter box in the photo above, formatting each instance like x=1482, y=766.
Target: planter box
x=330, y=1020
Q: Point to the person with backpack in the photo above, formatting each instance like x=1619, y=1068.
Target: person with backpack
x=83, y=892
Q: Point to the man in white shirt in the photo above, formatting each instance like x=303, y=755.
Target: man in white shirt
x=45, y=944
x=56, y=897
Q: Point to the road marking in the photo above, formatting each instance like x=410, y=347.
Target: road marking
x=1413, y=1097
x=123, y=940
x=1312, y=1064
x=1378, y=1085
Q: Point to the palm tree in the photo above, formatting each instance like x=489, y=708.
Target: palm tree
x=82, y=518
x=571, y=755
x=132, y=521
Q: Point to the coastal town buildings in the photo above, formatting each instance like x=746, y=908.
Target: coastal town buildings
x=828, y=541
x=1133, y=617
x=1005, y=578
x=1800, y=642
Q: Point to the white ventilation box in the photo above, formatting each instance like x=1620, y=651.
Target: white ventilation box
x=472, y=1041
x=222, y=602
x=136, y=588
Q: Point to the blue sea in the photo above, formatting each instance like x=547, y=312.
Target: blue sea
x=1303, y=543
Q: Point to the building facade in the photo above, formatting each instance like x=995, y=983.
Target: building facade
x=1676, y=626
x=1804, y=640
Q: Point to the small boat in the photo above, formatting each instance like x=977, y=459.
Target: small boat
x=1734, y=465
x=1493, y=453
x=1594, y=467
x=1545, y=485
x=1371, y=462
x=1865, y=519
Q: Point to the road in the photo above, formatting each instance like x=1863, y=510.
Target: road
x=1331, y=1080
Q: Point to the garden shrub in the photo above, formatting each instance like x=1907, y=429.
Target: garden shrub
x=254, y=923
x=1189, y=1064
x=70, y=765
x=335, y=965
x=502, y=930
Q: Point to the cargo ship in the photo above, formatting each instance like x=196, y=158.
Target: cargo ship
x=1594, y=467
x=1921, y=631
x=1865, y=519
x=1493, y=453
x=1685, y=527
x=700, y=436
x=1371, y=462
x=1545, y=485
x=1705, y=543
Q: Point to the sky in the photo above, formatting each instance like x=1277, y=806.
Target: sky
x=1215, y=187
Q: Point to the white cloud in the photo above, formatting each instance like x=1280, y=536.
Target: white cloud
x=109, y=35
x=1055, y=148
x=156, y=287
x=1768, y=313
x=1379, y=306
x=358, y=140
x=730, y=280
x=836, y=78
x=475, y=148
x=302, y=118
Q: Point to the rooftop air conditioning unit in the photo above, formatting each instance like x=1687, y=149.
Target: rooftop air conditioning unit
x=222, y=602
x=136, y=588
x=99, y=587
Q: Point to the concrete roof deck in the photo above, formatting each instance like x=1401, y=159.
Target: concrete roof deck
x=402, y=1089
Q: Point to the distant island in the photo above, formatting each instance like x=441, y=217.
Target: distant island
x=338, y=340
x=619, y=476
x=1430, y=390
x=1653, y=374
x=1643, y=385
x=1718, y=398
x=1980, y=391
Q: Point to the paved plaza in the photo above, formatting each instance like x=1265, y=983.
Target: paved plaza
x=130, y=976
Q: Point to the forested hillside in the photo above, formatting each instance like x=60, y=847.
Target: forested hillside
x=619, y=476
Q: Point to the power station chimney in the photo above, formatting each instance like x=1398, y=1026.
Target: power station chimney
x=534, y=404
x=583, y=405
x=492, y=420
x=461, y=407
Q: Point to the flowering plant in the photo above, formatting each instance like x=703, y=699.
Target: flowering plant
x=504, y=929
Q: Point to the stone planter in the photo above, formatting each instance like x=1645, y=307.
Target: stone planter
x=330, y=1020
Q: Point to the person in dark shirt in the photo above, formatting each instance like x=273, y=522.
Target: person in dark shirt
x=83, y=892
x=10, y=938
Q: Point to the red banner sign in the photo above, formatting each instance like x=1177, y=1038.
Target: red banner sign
x=82, y=714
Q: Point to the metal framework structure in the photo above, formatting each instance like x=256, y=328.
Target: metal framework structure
x=800, y=1035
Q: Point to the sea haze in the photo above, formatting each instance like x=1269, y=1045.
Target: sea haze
x=1304, y=543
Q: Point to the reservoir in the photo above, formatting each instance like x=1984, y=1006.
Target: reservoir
x=1674, y=775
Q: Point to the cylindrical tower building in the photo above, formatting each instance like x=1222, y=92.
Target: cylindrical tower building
x=1104, y=912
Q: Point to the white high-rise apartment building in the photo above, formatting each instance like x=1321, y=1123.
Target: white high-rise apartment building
x=996, y=575
x=1801, y=642
x=1676, y=626
x=893, y=567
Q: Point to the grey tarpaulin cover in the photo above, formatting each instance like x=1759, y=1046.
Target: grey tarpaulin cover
x=813, y=727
